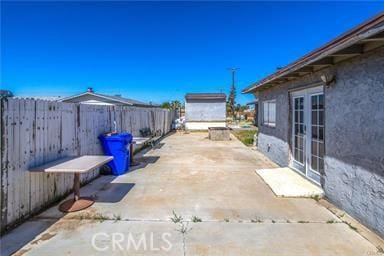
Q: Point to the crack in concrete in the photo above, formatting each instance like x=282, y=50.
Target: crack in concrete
x=238, y=221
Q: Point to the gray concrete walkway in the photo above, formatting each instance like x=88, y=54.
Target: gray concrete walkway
x=198, y=179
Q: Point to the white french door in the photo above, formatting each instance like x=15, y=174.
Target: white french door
x=308, y=132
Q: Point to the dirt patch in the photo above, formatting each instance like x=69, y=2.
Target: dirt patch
x=67, y=224
x=155, y=200
x=225, y=214
x=22, y=252
x=201, y=250
x=44, y=237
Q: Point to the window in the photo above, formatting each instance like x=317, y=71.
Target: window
x=269, y=113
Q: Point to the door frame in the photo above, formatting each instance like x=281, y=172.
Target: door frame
x=306, y=170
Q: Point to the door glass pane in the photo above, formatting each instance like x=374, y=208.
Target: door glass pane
x=314, y=132
x=314, y=117
x=317, y=138
x=314, y=163
x=321, y=133
x=301, y=116
x=321, y=101
x=314, y=148
x=321, y=150
x=298, y=130
x=321, y=117
x=314, y=102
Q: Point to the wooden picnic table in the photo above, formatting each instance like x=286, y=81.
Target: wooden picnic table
x=140, y=141
x=137, y=141
x=75, y=165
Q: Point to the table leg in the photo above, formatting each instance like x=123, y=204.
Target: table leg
x=131, y=153
x=133, y=163
x=77, y=203
x=76, y=187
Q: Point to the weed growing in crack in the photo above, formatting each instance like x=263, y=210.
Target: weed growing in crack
x=89, y=216
x=330, y=221
x=116, y=217
x=288, y=221
x=100, y=217
x=226, y=220
x=302, y=221
x=176, y=218
x=183, y=227
x=273, y=221
x=195, y=219
x=350, y=226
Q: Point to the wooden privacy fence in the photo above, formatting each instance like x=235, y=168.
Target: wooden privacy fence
x=34, y=132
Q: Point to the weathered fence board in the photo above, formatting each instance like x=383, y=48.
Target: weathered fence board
x=36, y=131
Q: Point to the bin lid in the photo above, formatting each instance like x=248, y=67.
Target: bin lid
x=114, y=137
x=117, y=137
x=127, y=136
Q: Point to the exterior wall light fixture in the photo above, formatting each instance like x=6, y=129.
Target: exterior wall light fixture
x=328, y=78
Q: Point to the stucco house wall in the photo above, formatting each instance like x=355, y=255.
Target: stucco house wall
x=353, y=175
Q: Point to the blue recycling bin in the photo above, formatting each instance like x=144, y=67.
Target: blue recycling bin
x=126, y=136
x=117, y=145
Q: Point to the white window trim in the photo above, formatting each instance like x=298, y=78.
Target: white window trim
x=269, y=124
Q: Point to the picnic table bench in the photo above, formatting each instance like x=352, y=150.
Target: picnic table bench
x=146, y=138
x=75, y=165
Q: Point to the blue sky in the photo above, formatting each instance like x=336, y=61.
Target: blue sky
x=158, y=51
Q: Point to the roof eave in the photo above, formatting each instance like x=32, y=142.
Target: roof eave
x=316, y=56
x=97, y=95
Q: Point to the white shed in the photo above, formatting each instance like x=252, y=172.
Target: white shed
x=203, y=110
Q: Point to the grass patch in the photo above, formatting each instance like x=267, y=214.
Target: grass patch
x=245, y=136
x=316, y=197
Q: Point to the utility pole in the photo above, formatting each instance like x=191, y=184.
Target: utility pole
x=232, y=93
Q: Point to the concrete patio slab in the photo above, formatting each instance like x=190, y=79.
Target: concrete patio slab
x=101, y=237
x=293, y=239
x=192, y=176
x=285, y=182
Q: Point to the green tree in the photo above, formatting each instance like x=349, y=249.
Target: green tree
x=175, y=104
x=232, y=93
x=232, y=100
x=166, y=105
